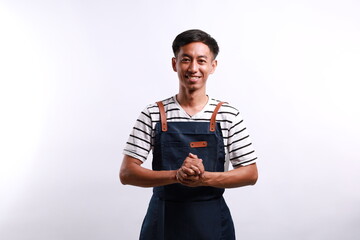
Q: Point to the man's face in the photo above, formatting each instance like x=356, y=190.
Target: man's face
x=194, y=63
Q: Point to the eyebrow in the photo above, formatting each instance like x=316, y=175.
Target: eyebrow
x=187, y=55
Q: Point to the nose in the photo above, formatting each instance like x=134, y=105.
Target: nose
x=193, y=67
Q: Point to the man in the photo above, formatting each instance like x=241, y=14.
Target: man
x=193, y=138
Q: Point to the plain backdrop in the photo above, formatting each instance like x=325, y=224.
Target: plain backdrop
x=75, y=75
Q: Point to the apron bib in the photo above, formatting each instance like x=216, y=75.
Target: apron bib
x=177, y=211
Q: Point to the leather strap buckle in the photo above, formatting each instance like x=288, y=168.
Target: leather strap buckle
x=163, y=119
x=213, y=117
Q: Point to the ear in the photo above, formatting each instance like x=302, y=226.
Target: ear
x=173, y=63
x=213, y=65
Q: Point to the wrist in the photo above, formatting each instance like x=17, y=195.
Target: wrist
x=212, y=179
x=176, y=176
x=205, y=178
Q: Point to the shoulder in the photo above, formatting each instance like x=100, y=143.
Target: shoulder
x=152, y=110
x=153, y=107
x=227, y=111
x=226, y=105
x=169, y=105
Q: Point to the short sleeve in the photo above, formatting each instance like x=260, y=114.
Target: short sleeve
x=240, y=148
x=140, y=139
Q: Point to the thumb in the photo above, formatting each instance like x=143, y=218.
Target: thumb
x=193, y=155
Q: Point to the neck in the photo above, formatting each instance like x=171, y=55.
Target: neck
x=192, y=102
x=192, y=98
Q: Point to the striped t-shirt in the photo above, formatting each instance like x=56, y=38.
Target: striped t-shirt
x=238, y=146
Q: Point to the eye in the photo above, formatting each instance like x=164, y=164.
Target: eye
x=184, y=60
x=202, y=61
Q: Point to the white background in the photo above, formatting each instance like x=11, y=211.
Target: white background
x=76, y=74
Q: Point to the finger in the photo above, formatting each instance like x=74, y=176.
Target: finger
x=190, y=183
x=194, y=178
x=194, y=161
x=201, y=166
x=195, y=165
x=195, y=169
x=190, y=179
x=187, y=170
x=193, y=155
x=184, y=176
x=180, y=175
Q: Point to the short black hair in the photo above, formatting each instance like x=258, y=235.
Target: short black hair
x=195, y=35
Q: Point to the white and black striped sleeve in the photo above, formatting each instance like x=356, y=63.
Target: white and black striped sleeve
x=139, y=142
x=240, y=148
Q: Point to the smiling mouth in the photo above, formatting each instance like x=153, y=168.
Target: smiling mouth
x=193, y=78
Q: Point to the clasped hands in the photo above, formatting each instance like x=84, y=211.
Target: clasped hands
x=191, y=173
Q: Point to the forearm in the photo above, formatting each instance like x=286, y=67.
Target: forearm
x=133, y=174
x=238, y=177
x=148, y=178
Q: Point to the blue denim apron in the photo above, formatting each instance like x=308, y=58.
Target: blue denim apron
x=179, y=212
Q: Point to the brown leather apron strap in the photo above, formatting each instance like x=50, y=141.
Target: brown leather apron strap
x=213, y=117
x=163, y=120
